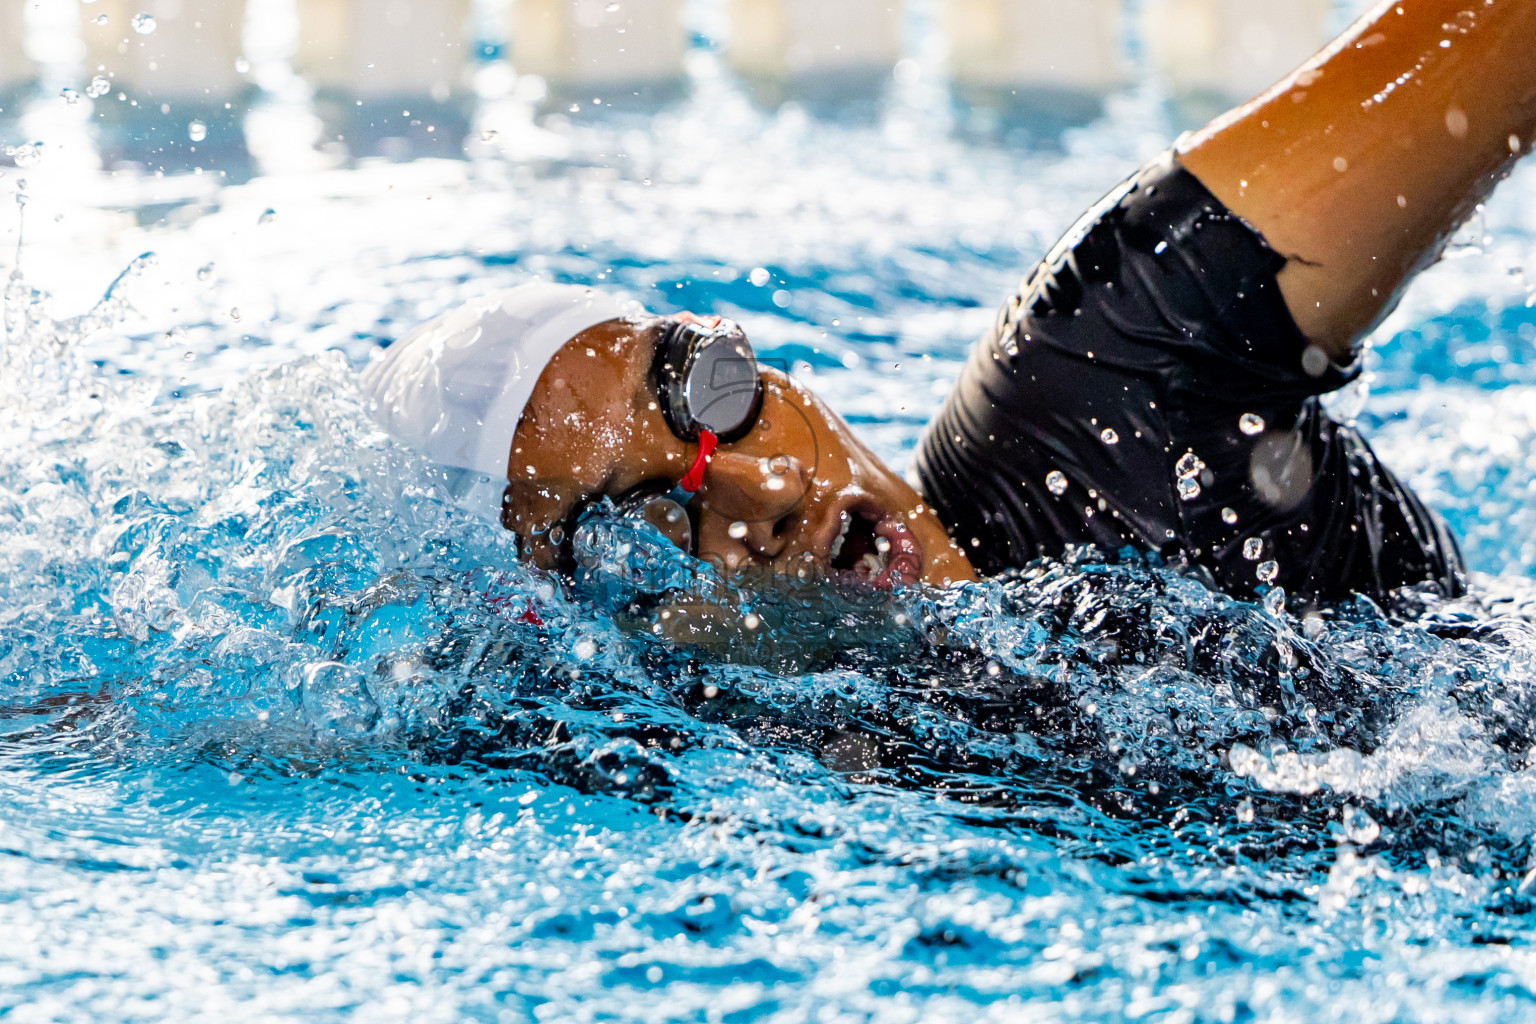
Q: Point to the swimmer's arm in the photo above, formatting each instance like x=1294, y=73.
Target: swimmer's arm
x=1360, y=165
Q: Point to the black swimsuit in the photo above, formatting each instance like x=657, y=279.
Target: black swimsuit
x=1149, y=388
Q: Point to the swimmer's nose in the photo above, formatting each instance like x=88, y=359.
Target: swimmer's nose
x=760, y=497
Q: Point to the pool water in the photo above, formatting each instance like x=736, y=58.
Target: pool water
x=281, y=741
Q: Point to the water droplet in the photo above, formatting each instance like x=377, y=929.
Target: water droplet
x=1274, y=601
x=1189, y=488
x=759, y=276
x=1359, y=827
x=1108, y=436
x=27, y=154
x=100, y=19
x=234, y=314
x=1189, y=465
x=1268, y=571
x=557, y=535
x=205, y=272
x=242, y=66
x=1245, y=811
x=738, y=531
x=1314, y=361
x=1056, y=482
x=69, y=96
x=267, y=217
x=612, y=8
x=489, y=135
x=1250, y=424
x=143, y=23
x=751, y=621
x=882, y=545
x=99, y=87
x=1253, y=549
x=197, y=131
x=1229, y=516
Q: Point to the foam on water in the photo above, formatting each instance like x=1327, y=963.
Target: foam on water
x=288, y=733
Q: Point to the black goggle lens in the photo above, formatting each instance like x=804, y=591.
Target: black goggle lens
x=723, y=388
x=708, y=379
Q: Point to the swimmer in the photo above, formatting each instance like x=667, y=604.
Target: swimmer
x=1154, y=384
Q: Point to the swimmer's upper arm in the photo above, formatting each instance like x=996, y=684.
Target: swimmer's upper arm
x=1360, y=164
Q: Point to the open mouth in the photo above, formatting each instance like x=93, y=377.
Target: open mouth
x=881, y=551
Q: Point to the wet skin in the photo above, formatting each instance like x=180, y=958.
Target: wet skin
x=800, y=494
x=1361, y=163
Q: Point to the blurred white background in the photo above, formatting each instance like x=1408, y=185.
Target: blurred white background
x=244, y=87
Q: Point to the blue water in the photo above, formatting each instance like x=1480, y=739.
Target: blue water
x=279, y=741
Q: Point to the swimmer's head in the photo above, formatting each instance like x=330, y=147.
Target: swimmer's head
x=789, y=487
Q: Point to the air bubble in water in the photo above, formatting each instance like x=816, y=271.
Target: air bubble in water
x=737, y=531
x=205, y=272
x=143, y=23
x=267, y=217
x=489, y=135
x=1250, y=424
x=197, y=131
x=1245, y=811
x=1268, y=571
x=100, y=19
x=1189, y=465
x=242, y=65
x=759, y=276
x=99, y=87
x=1108, y=436
x=1056, y=482
x=1189, y=488
x=69, y=96
x=1229, y=516
x=1253, y=549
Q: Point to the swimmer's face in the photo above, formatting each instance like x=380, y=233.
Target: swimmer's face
x=799, y=494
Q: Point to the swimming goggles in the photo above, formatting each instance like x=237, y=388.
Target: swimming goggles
x=709, y=390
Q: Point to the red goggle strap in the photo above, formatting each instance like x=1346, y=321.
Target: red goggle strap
x=694, y=478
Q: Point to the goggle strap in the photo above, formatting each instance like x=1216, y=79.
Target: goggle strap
x=694, y=478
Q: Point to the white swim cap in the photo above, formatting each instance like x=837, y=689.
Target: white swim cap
x=456, y=387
